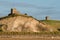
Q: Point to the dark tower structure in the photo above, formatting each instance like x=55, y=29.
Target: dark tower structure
x=13, y=11
x=47, y=18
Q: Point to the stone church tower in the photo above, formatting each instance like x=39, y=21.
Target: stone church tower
x=14, y=11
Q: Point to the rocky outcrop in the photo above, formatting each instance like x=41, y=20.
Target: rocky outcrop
x=22, y=23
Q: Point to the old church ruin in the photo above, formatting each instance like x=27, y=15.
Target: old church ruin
x=14, y=11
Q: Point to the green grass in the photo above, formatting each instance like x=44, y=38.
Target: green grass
x=53, y=23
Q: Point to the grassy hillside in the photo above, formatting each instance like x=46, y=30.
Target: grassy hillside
x=53, y=23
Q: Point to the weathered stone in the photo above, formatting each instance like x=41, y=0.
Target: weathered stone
x=22, y=23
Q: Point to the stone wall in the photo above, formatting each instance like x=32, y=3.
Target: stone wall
x=14, y=11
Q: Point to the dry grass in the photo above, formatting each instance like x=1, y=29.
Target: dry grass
x=32, y=38
x=54, y=23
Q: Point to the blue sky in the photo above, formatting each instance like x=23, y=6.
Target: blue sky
x=36, y=8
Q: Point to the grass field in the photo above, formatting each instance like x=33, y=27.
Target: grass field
x=54, y=23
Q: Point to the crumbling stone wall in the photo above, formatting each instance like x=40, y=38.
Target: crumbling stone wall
x=13, y=11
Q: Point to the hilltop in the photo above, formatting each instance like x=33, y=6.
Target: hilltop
x=18, y=22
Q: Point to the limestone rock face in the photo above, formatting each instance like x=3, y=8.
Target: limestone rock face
x=23, y=24
x=19, y=24
x=16, y=22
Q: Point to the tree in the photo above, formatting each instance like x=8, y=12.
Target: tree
x=25, y=13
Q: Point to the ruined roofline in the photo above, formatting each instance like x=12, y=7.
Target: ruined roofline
x=14, y=11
